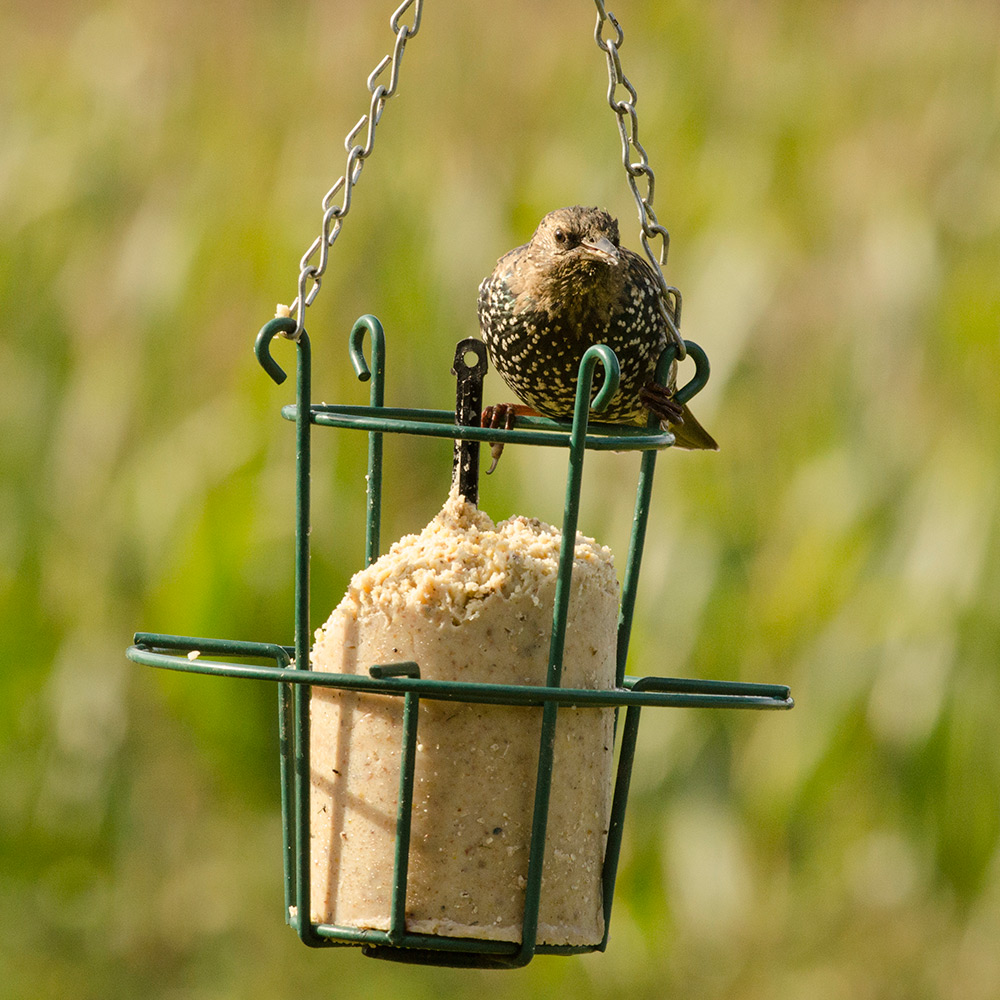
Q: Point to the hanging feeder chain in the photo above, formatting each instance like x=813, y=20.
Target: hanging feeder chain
x=651, y=228
x=334, y=214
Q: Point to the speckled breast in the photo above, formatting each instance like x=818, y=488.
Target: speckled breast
x=540, y=362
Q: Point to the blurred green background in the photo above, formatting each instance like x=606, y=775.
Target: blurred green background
x=830, y=174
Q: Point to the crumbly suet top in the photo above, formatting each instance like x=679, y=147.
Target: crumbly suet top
x=461, y=559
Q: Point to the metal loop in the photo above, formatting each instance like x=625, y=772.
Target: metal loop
x=639, y=169
x=623, y=107
x=652, y=227
x=411, y=30
x=602, y=17
x=644, y=239
x=331, y=221
x=397, y=56
x=355, y=160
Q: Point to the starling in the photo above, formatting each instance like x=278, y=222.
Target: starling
x=570, y=287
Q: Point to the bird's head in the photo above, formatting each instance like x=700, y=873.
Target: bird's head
x=569, y=238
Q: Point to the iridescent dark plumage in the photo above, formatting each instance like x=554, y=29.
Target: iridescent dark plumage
x=572, y=286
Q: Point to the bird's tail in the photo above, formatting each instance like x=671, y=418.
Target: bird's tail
x=691, y=434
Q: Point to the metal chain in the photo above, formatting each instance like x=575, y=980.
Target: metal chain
x=334, y=215
x=625, y=110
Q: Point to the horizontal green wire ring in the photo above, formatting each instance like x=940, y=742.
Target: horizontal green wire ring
x=677, y=691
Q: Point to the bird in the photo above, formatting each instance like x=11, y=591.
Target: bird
x=571, y=286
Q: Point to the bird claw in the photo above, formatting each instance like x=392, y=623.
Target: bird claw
x=660, y=400
x=496, y=450
x=500, y=415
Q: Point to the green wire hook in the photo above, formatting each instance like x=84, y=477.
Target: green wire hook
x=612, y=374
x=370, y=325
x=702, y=370
x=284, y=325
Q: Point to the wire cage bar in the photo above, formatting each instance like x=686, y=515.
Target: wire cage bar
x=289, y=666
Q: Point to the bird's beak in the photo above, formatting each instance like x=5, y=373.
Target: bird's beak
x=601, y=249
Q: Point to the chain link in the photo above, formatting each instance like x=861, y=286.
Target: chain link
x=311, y=273
x=638, y=170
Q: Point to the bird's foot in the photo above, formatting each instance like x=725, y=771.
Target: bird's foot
x=661, y=401
x=502, y=415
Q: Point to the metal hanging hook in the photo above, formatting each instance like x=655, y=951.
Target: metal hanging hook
x=286, y=327
x=376, y=399
x=370, y=325
x=702, y=370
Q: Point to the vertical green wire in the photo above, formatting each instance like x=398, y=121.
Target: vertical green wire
x=630, y=587
x=293, y=706
x=557, y=643
x=643, y=495
x=370, y=324
x=623, y=779
x=640, y=519
x=404, y=800
x=404, y=817
x=571, y=509
x=287, y=797
x=303, y=426
x=630, y=584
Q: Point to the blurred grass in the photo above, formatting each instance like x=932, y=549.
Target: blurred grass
x=830, y=174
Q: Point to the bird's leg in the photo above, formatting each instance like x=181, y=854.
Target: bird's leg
x=661, y=401
x=503, y=415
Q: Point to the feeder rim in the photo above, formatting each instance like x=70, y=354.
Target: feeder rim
x=441, y=423
x=647, y=691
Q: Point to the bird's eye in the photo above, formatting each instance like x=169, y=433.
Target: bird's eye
x=560, y=236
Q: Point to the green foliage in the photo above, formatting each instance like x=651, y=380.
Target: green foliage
x=829, y=174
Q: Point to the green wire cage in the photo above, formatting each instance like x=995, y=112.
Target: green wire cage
x=289, y=664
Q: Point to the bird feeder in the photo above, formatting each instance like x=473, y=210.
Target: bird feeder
x=399, y=685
